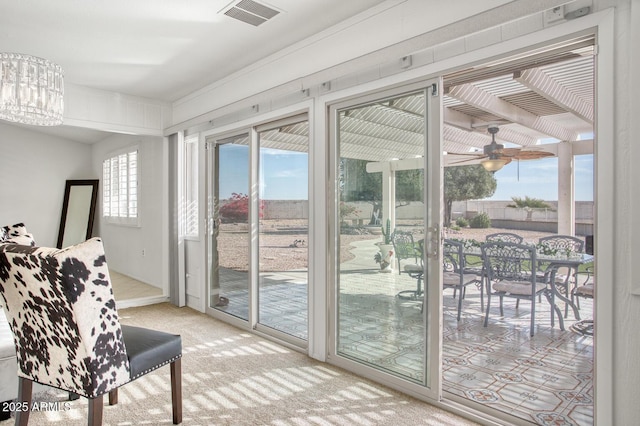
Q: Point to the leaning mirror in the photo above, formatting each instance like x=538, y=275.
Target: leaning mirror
x=78, y=208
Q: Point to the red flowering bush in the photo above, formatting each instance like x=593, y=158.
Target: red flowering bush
x=236, y=208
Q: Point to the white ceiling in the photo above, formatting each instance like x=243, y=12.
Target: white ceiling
x=167, y=49
x=159, y=49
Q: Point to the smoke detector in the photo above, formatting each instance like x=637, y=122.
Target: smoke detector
x=250, y=12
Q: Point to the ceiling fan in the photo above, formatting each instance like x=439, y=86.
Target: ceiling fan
x=495, y=155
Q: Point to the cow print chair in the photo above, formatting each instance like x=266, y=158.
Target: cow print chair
x=61, y=310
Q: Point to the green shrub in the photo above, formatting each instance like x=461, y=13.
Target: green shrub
x=462, y=222
x=481, y=220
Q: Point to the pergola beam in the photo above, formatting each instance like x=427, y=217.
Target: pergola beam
x=470, y=139
x=550, y=89
x=485, y=101
x=462, y=121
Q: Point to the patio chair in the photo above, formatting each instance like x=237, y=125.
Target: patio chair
x=560, y=243
x=67, y=335
x=585, y=286
x=404, y=248
x=454, y=275
x=511, y=272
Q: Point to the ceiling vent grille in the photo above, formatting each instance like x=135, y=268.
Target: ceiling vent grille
x=250, y=12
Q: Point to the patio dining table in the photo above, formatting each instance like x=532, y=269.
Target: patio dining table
x=552, y=264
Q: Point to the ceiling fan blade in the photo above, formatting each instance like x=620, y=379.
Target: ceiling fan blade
x=525, y=154
x=466, y=160
x=469, y=154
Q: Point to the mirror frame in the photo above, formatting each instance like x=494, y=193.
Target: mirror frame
x=65, y=206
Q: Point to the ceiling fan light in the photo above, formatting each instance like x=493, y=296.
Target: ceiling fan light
x=493, y=164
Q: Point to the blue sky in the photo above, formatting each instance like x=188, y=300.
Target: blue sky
x=539, y=179
x=284, y=173
x=284, y=176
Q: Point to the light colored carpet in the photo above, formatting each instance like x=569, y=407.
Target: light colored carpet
x=231, y=377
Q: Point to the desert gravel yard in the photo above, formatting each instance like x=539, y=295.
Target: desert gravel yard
x=284, y=243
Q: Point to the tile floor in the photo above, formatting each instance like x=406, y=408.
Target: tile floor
x=546, y=379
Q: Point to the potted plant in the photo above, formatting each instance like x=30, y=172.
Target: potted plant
x=385, y=256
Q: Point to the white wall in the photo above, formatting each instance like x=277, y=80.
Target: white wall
x=124, y=245
x=34, y=169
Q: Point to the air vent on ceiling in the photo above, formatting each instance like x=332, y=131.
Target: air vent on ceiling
x=250, y=12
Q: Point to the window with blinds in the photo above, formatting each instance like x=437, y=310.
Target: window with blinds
x=120, y=188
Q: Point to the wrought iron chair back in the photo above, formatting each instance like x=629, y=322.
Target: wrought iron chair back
x=454, y=275
x=563, y=243
x=452, y=256
x=508, y=237
x=509, y=261
x=404, y=247
x=511, y=272
x=563, y=276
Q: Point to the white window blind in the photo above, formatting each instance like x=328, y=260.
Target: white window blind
x=120, y=188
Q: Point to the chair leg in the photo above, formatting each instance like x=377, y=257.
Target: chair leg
x=95, y=411
x=176, y=390
x=113, y=397
x=25, y=387
x=533, y=316
x=486, y=316
x=460, y=300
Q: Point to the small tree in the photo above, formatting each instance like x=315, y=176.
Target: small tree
x=463, y=183
x=528, y=204
x=236, y=208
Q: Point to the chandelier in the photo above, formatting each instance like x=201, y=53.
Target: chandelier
x=31, y=90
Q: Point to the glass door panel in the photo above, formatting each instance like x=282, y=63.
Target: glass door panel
x=230, y=230
x=382, y=314
x=283, y=228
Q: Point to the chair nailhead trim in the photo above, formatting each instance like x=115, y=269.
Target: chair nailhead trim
x=157, y=366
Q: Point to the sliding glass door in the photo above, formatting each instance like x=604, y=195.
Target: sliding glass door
x=229, y=231
x=283, y=226
x=258, y=227
x=387, y=174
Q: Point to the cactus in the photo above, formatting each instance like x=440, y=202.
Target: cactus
x=386, y=232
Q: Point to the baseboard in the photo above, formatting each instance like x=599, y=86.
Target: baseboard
x=142, y=301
